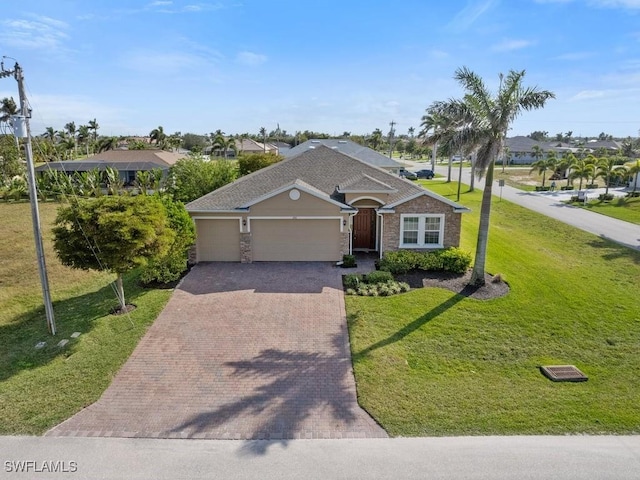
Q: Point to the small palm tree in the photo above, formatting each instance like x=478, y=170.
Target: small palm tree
x=158, y=136
x=542, y=166
x=580, y=169
x=634, y=175
x=263, y=134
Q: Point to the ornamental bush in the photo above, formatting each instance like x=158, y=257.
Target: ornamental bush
x=452, y=260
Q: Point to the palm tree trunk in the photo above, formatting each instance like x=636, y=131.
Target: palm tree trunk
x=120, y=292
x=477, y=276
x=449, y=169
x=472, y=183
x=459, y=181
x=434, y=154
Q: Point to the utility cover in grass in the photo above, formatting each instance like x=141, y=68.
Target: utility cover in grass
x=563, y=373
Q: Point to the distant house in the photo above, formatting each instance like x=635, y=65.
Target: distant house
x=352, y=149
x=244, y=145
x=126, y=162
x=520, y=148
x=317, y=206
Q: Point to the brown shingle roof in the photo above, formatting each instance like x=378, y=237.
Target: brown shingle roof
x=322, y=167
x=159, y=157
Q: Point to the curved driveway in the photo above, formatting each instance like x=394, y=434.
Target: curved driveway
x=241, y=351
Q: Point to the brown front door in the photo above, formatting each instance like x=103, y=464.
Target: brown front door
x=364, y=229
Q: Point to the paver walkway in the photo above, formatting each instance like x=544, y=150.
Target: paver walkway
x=241, y=351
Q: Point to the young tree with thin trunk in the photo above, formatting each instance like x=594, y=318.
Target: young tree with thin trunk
x=112, y=233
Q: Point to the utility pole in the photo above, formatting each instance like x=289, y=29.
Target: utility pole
x=391, y=134
x=21, y=129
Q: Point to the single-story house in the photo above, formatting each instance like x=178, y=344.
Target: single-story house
x=317, y=206
x=352, y=149
x=127, y=162
x=521, y=151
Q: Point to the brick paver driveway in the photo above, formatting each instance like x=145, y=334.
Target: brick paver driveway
x=241, y=351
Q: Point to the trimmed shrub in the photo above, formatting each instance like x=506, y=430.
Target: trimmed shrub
x=378, y=277
x=399, y=261
x=353, y=280
x=349, y=261
x=455, y=260
x=450, y=260
x=605, y=196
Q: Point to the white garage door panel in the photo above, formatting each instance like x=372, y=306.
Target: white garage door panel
x=295, y=240
x=218, y=240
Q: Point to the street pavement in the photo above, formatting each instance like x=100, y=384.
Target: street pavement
x=551, y=204
x=477, y=458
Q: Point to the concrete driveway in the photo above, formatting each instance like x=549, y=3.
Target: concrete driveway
x=241, y=351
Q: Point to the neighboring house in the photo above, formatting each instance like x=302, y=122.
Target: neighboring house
x=520, y=148
x=317, y=206
x=351, y=148
x=247, y=145
x=127, y=162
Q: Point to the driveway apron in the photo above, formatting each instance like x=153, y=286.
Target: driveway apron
x=241, y=351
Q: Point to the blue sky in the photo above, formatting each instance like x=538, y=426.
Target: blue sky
x=331, y=66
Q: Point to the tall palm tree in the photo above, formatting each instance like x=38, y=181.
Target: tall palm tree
x=436, y=126
x=222, y=144
x=71, y=130
x=84, y=136
x=93, y=125
x=376, y=139
x=263, y=134
x=411, y=131
x=486, y=120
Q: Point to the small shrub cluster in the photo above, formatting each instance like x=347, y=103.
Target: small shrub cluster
x=374, y=284
x=452, y=260
x=349, y=261
x=605, y=196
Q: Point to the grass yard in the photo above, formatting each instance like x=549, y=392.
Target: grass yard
x=623, y=208
x=40, y=388
x=433, y=363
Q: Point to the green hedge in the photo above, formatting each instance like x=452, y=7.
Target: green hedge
x=452, y=260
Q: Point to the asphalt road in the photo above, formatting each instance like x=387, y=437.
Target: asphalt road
x=551, y=204
x=478, y=458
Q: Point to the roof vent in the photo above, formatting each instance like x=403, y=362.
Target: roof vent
x=342, y=141
x=311, y=147
x=315, y=141
x=334, y=148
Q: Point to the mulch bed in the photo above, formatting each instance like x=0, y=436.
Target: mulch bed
x=493, y=287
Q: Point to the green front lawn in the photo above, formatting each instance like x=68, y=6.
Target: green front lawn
x=430, y=362
x=623, y=208
x=40, y=388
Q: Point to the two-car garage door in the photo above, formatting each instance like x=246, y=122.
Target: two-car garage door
x=271, y=240
x=295, y=240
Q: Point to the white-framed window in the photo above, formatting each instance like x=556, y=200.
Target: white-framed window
x=421, y=230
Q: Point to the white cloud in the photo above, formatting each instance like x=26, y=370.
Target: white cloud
x=57, y=110
x=510, y=45
x=628, y=4
x=37, y=33
x=251, y=59
x=469, y=14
